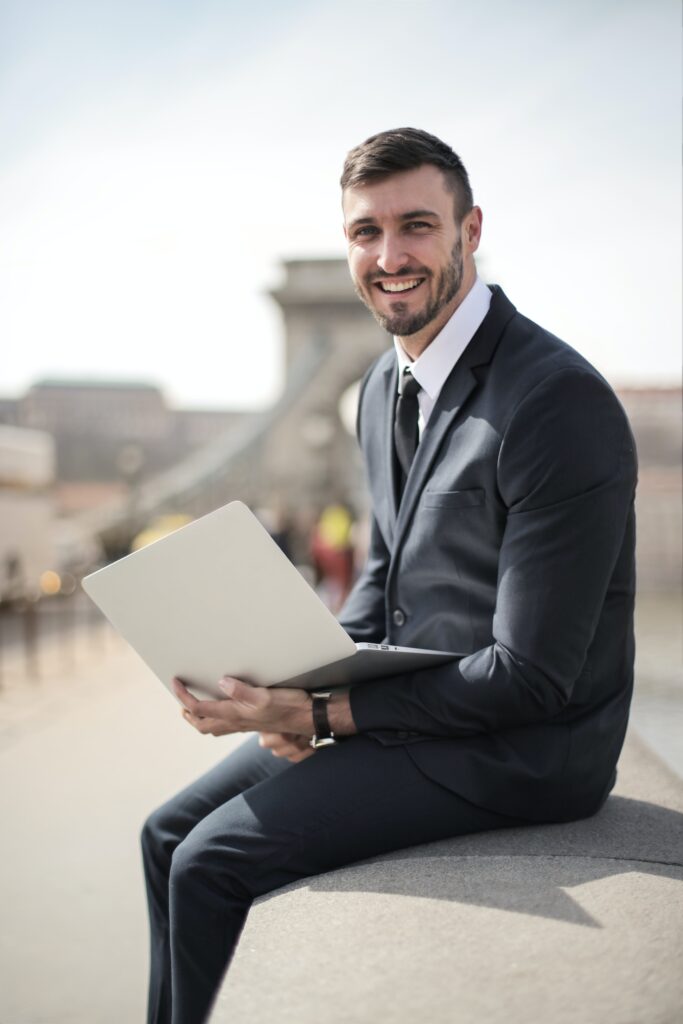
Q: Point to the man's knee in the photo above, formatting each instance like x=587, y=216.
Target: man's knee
x=156, y=839
x=201, y=866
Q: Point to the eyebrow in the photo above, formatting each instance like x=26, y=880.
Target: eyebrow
x=410, y=215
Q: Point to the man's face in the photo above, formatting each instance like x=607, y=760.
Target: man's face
x=405, y=250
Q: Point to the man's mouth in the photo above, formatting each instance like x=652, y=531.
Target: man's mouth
x=392, y=287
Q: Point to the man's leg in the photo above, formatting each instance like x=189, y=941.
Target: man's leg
x=167, y=827
x=346, y=803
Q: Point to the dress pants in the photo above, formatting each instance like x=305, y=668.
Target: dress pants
x=256, y=822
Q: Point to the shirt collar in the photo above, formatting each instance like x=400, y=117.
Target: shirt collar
x=434, y=366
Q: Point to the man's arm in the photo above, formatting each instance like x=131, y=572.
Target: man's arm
x=566, y=472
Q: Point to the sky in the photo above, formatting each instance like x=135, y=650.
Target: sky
x=159, y=159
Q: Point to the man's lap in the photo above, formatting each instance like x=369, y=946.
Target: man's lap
x=271, y=822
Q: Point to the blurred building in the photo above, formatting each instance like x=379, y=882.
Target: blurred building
x=110, y=435
x=27, y=538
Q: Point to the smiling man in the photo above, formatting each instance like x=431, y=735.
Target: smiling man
x=502, y=474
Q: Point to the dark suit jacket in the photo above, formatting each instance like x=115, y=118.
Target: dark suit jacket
x=514, y=546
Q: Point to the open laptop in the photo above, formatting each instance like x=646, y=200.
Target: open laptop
x=218, y=597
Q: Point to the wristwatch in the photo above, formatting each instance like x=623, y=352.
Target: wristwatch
x=323, y=735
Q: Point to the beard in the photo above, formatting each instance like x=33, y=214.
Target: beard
x=401, y=322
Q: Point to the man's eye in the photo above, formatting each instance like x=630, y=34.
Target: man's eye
x=418, y=224
x=366, y=231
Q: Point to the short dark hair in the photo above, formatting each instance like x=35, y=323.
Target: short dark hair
x=405, y=149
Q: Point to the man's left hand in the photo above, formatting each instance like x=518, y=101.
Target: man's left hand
x=287, y=744
x=248, y=708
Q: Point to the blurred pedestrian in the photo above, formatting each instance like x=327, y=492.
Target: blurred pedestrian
x=333, y=554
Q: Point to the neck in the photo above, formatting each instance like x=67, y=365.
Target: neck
x=415, y=344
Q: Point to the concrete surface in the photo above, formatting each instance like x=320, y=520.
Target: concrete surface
x=564, y=923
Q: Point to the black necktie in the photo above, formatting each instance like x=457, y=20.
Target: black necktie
x=405, y=425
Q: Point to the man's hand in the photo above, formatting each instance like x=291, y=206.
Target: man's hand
x=248, y=708
x=287, y=744
x=282, y=716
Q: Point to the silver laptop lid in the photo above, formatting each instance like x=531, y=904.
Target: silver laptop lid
x=218, y=597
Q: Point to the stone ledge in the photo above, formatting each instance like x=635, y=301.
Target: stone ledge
x=558, y=923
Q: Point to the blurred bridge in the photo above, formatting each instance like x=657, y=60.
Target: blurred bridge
x=301, y=446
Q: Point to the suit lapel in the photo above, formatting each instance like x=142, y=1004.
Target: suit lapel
x=455, y=392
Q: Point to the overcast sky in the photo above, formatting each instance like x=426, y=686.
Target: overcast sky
x=160, y=157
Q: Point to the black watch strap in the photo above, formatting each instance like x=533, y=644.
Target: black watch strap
x=323, y=735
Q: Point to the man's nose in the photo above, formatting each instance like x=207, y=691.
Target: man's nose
x=392, y=256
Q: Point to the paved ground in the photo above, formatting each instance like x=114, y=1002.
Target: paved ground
x=73, y=946
x=73, y=943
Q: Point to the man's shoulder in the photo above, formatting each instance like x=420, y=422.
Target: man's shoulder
x=530, y=354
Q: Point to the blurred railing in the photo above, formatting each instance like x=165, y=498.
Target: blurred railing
x=47, y=635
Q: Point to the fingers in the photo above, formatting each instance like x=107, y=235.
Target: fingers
x=206, y=726
x=247, y=708
x=225, y=712
x=216, y=717
x=279, y=743
x=190, y=710
x=243, y=695
x=278, y=740
x=301, y=755
x=184, y=695
x=252, y=697
x=288, y=745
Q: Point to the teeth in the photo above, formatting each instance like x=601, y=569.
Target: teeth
x=399, y=286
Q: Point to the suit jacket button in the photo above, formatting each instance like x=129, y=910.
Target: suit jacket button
x=398, y=617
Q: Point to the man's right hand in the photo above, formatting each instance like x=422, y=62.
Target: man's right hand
x=286, y=744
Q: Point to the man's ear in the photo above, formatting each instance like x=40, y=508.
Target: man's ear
x=471, y=230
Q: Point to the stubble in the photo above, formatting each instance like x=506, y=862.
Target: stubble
x=401, y=322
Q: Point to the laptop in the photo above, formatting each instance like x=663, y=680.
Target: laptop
x=218, y=597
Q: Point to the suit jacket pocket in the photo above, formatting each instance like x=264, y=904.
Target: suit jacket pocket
x=455, y=499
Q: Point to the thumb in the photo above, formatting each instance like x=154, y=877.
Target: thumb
x=243, y=693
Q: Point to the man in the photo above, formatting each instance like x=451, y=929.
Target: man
x=502, y=472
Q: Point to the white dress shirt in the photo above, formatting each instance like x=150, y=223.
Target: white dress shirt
x=433, y=367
